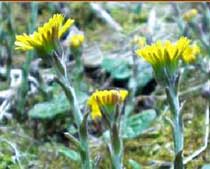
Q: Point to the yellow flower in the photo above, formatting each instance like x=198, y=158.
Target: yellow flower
x=46, y=38
x=139, y=41
x=77, y=40
x=182, y=44
x=164, y=56
x=159, y=53
x=189, y=15
x=105, y=98
x=189, y=55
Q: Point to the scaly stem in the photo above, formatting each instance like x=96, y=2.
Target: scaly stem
x=76, y=110
x=178, y=135
x=116, y=149
x=77, y=115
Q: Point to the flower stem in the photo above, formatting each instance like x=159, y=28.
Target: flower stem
x=76, y=112
x=178, y=135
x=116, y=148
x=85, y=157
x=116, y=161
x=84, y=154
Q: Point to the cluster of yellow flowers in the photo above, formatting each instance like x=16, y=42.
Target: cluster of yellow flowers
x=161, y=55
x=105, y=98
x=167, y=54
x=46, y=38
x=164, y=52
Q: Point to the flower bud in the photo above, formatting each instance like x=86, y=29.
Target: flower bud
x=189, y=15
x=139, y=41
x=77, y=40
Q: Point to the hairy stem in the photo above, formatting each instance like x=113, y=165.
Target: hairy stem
x=178, y=135
x=77, y=114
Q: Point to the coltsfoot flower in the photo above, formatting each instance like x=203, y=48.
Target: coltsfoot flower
x=46, y=38
x=76, y=40
x=165, y=56
x=107, y=99
x=189, y=15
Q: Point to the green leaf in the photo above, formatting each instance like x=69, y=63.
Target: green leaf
x=59, y=106
x=134, y=164
x=73, y=155
x=118, y=68
x=138, y=123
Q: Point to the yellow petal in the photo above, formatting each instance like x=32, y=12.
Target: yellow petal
x=65, y=27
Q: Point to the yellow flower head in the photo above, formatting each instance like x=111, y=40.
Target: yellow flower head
x=164, y=56
x=139, y=41
x=189, y=15
x=77, y=40
x=46, y=38
x=105, y=98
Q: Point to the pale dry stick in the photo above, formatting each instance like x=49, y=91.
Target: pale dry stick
x=157, y=163
x=3, y=109
x=180, y=94
x=101, y=13
x=152, y=21
x=17, y=154
x=107, y=83
x=203, y=148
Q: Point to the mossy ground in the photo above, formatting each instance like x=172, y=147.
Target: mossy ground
x=155, y=145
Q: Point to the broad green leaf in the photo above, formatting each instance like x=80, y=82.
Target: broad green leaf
x=58, y=106
x=138, y=123
x=118, y=68
x=134, y=164
x=73, y=155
